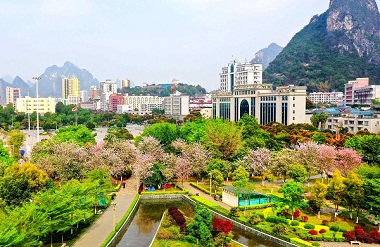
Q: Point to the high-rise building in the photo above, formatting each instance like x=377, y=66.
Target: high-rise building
x=349, y=89
x=125, y=83
x=94, y=92
x=242, y=92
x=237, y=74
x=114, y=101
x=84, y=95
x=70, y=87
x=176, y=105
x=323, y=97
x=12, y=94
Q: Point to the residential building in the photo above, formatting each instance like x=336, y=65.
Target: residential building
x=70, y=87
x=354, y=120
x=176, y=105
x=206, y=112
x=12, y=94
x=125, y=83
x=84, y=95
x=144, y=103
x=29, y=105
x=242, y=92
x=106, y=89
x=124, y=109
x=349, y=89
x=365, y=95
x=114, y=101
x=94, y=92
x=336, y=98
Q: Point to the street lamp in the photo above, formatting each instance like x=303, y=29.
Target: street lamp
x=37, y=78
x=210, y=182
x=114, y=215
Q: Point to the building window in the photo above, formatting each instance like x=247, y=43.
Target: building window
x=366, y=123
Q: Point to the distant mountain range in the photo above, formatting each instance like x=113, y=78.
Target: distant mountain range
x=267, y=55
x=339, y=45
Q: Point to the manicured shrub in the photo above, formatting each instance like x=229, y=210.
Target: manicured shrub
x=164, y=234
x=295, y=223
x=296, y=214
x=328, y=237
x=322, y=230
x=183, y=227
x=313, y=232
x=305, y=218
x=325, y=222
x=309, y=226
x=280, y=228
x=180, y=220
x=315, y=244
x=256, y=218
x=334, y=228
x=276, y=219
x=349, y=236
x=190, y=239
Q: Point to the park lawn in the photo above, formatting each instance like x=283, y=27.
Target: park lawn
x=206, y=187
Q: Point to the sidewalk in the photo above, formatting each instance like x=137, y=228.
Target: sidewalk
x=100, y=230
x=194, y=190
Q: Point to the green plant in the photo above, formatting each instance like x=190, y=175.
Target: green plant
x=309, y=226
x=300, y=242
x=334, y=228
x=295, y=223
x=316, y=244
x=277, y=219
x=280, y=228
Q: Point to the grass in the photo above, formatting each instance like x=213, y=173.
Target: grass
x=210, y=204
x=205, y=187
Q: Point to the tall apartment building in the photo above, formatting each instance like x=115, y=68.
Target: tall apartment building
x=94, y=92
x=237, y=74
x=349, y=89
x=330, y=97
x=84, y=95
x=106, y=89
x=70, y=87
x=242, y=92
x=114, y=101
x=176, y=105
x=29, y=105
x=12, y=94
x=125, y=83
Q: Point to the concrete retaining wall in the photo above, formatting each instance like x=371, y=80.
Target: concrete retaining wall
x=162, y=196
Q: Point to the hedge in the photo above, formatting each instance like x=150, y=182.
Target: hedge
x=212, y=205
x=300, y=242
x=121, y=222
x=195, y=185
x=164, y=192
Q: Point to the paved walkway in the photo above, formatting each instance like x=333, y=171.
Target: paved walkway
x=100, y=230
x=194, y=190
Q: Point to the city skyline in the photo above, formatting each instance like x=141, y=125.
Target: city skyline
x=146, y=41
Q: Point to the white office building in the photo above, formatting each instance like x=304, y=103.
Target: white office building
x=336, y=98
x=176, y=105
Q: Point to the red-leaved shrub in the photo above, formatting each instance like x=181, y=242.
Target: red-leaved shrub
x=313, y=232
x=220, y=225
x=296, y=214
x=322, y=230
x=183, y=227
x=350, y=236
x=305, y=218
x=325, y=222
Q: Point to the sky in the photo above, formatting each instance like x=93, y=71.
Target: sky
x=147, y=41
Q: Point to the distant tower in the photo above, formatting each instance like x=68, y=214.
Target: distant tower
x=70, y=87
x=12, y=94
x=125, y=83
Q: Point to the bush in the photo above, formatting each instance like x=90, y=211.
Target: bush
x=277, y=219
x=315, y=244
x=190, y=239
x=334, y=228
x=328, y=237
x=322, y=230
x=256, y=218
x=164, y=234
x=295, y=223
x=183, y=227
x=305, y=218
x=300, y=242
x=313, y=232
x=309, y=226
x=296, y=214
x=339, y=237
x=280, y=228
x=325, y=222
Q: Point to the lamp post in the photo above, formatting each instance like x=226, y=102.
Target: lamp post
x=28, y=106
x=37, y=78
x=114, y=215
x=210, y=182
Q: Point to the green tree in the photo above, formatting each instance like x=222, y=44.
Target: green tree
x=201, y=226
x=336, y=191
x=217, y=178
x=15, y=141
x=293, y=195
x=19, y=183
x=372, y=192
x=240, y=179
x=193, y=131
x=367, y=145
x=218, y=164
x=317, y=118
x=298, y=173
x=5, y=159
x=222, y=138
x=318, y=195
x=76, y=134
x=355, y=196
x=166, y=133
x=117, y=134
x=156, y=178
x=282, y=160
